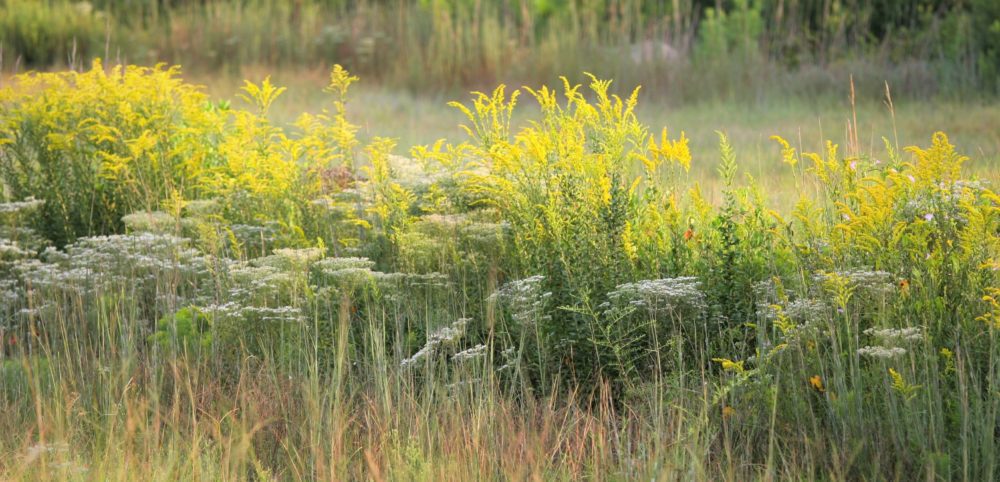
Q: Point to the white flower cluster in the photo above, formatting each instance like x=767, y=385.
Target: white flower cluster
x=300, y=257
x=347, y=273
x=525, y=298
x=280, y=314
x=254, y=235
x=473, y=353
x=122, y=259
x=8, y=292
x=13, y=250
x=436, y=340
x=225, y=310
x=261, y=278
x=18, y=207
x=865, y=281
x=237, y=310
x=666, y=294
x=896, y=335
x=944, y=202
x=890, y=339
x=40, y=275
x=882, y=352
x=805, y=309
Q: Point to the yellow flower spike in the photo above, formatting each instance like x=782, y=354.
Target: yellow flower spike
x=605, y=184
x=901, y=386
x=263, y=95
x=787, y=151
x=729, y=365
x=681, y=152
x=340, y=81
x=939, y=162
x=628, y=242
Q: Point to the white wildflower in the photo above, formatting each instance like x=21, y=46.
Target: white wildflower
x=896, y=335
x=881, y=352
x=18, y=207
x=473, y=353
x=435, y=340
x=525, y=298
x=661, y=294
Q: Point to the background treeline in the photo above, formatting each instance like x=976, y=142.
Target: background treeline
x=681, y=47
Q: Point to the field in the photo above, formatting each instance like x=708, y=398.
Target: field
x=316, y=275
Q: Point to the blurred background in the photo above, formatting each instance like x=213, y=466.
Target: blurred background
x=751, y=68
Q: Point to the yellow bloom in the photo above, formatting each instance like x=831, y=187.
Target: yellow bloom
x=817, y=383
x=729, y=365
x=787, y=151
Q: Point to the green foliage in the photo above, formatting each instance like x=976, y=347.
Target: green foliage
x=560, y=273
x=924, y=46
x=186, y=331
x=41, y=33
x=98, y=145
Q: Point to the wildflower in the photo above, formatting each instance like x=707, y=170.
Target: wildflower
x=729, y=365
x=806, y=309
x=12, y=250
x=300, y=256
x=871, y=282
x=881, y=352
x=928, y=217
x=817, y=383
x=28, y=204
x=668, y=294
x=473, y=353
x=347, y=272
x=896, y=335
x=435, y=340
x=688, y=234
x=901, y=386
x=525, y=298
x=949, y=359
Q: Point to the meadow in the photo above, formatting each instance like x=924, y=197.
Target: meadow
x=739, y=271
x=219, y=297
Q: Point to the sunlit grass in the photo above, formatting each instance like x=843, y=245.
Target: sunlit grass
x=558, y=291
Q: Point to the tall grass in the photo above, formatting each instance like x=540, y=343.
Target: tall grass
x=549, y=300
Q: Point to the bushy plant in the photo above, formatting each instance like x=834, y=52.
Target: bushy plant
x=101, y=144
